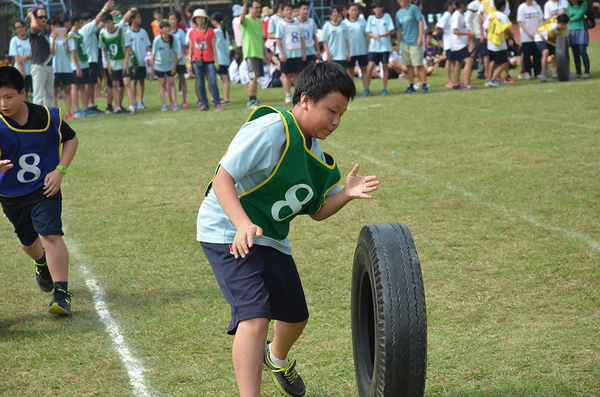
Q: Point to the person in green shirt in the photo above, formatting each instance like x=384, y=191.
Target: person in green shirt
x=253, y=47
x=578, y=36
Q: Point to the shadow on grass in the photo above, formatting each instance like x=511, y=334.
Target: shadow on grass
x=33, y=325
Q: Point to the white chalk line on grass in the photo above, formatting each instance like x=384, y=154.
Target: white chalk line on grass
x=134, y=368
x=524, y=116
x=578, y=236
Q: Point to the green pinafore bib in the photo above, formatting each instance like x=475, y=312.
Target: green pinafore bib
x=297, y=185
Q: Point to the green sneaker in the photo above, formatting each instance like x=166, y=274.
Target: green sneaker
x=43, y=278
x=61, y=303
x=286, y=379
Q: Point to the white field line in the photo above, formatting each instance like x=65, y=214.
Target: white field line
x=524, y=116
x=580, y=237
x=134, y=368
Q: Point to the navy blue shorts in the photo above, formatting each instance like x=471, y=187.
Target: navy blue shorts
x=41, y=218
x=377, y=57
x=264, y=284
x=95, y=72
x=343, y=64
x=363, y=60
x=63, y=79
x=85, y=77
x=484, y=49
x=309, y=59
x=460, y=55
x=223, y=70
x=162, y=75
x=140, y=73
x=118, y=75
x=181, y=69
x=292, y=66
x=541, y=46
x=500, y=57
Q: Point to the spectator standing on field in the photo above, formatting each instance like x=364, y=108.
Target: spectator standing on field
x=357, y=36
x=253, y=48
x=80, y=68
x=495, y=26
x=63, y=76
x=236, y=24
x=445, y=25
x=158, y=17
x=309, y=32
x=409, y=34
x=292, y=49
x=553, y=8
x=578, y=37
x=458, y=46
x=530, y=17
x=42, y=74
x=472, y=19
x=140, y=46
x=222, y=42
x=272, y=28
x=379, y=30
x=20, y=50
x=174, y=18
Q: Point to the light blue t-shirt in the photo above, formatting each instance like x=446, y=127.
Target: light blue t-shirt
x=290, y=34
x=272, y=28
x=379, y=26
x=165, y=53
x=408, y=21
x=60, y=61
x=90, y=40
x=335, y=36
x=139, y=42
x=180, y=36
x=73, y=47
x=357, y=36
x=21, y=48
x=222, y=43
x=252, y=156
x=309, y=30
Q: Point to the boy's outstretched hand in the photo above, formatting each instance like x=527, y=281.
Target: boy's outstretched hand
x=244, y=239
x=359, y=186
x=5, y=165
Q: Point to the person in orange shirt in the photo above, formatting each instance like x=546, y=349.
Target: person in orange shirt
x=156, y=23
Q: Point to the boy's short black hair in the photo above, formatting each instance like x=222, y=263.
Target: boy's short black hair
x=562, y=18
x=76, y=18
x=165, y=24
x=106, y=17
x=338, y=8
x=459, y=2
x=11, y=78
x=157, y=11
x=86, y=16
x=286, y=4
x=376, y=4
x=177, y=15
x=499, y=4
x=16, y=22
x=303, y=3
x=317, y=80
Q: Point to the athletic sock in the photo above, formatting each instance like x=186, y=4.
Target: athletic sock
x=61, y=286
x=42, y=261
x=279, y=363
x=252, y=98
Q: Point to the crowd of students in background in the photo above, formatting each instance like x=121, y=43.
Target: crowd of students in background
x=80, y=57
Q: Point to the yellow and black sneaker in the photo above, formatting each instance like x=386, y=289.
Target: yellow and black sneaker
x=43, y=277
x=286, y=379
x=61, y=303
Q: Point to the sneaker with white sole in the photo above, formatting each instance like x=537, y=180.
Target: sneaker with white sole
x=288, y=98
x=286, y=379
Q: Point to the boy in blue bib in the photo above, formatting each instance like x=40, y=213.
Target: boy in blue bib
x=273, y=171
x=36, y=148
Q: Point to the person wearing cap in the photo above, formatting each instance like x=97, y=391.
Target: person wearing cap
x=42, y=73
x=253, y=48
x=235, y=24
x=204, y=58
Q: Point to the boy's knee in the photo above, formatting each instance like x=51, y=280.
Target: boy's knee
x=257, y=326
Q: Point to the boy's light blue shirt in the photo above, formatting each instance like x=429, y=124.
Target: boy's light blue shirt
x=272, y=28
x=379, y=26
x=180, y=36
x=290, y=34
x=73, y=47
x=356, y=35
x=408, y=21
x=251, y=157
x=309, y=31
x=165, y=53
x=88, y=31
x=222, y=43
x=60, y=61
x=21, y=48
x=140, y=42
x=336, y=36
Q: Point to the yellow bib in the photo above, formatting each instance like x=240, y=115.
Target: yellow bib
x=497, y=28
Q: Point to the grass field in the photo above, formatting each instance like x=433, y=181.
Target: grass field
x=499, y=187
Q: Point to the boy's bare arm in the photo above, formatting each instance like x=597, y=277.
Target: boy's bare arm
x=356, y=187
x=5, y=165
x=224, y=186
x=53, y=180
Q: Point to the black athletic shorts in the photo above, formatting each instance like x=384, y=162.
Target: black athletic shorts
x=42, y=218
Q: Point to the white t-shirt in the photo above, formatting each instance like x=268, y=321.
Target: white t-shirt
x=503, y=18
x=445, y=23
x=553, y=9
x=472, y=18
x=532, y=17
x=458, y=42
x=544, y=33
x=252, y=156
